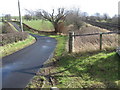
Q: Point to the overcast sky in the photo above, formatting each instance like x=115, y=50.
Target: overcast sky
x=89, y=6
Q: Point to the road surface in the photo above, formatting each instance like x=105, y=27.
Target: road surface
x=20, y=67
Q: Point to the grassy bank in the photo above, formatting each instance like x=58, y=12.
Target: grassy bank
x=39, y=24
x=84, y=70
x=81, y=71
x=92, y=42
x=90, y=70
x=11, y=48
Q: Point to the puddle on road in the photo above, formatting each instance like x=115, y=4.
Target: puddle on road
x=48, y=40
x=8, y=68
x=44, y=47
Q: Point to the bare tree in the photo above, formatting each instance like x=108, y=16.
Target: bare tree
x=74, y=17
x=97, y=16
x=27, y=17
x=30, y=13
x=105, y=16
x=115, y=19
x=38, y=15
x=84, y=16
x=8, y=17
x=54, y=18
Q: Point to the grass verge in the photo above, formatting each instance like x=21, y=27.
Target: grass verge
x=11, y=48
x=88, y=70
x=84, y=70
x=12, y=26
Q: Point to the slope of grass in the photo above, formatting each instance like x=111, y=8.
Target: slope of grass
x=97, y=70
x=92, y=42
x=39, y=24
x=11, y=48
x=83, y=70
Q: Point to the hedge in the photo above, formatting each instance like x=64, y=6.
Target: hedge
x=12, y=37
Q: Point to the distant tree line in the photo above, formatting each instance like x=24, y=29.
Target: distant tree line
x=8, y=17
x=73, y=16
x=104, y=18
x=61, y=16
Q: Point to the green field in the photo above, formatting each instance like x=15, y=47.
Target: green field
x=39, y=24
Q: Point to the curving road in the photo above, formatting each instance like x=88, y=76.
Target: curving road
x=19, y=68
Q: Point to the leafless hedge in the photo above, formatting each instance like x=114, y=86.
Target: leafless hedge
x=12, y=37
x=9, y=35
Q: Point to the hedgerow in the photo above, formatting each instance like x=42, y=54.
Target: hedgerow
x=9, y=35
x=12, y=37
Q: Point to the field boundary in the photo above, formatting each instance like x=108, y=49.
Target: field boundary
x=12, y=26
x=34, y=30
x=104, y=25
x=16, y=46
x=72, y=36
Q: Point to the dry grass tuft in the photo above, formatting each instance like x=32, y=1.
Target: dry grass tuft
x=92, y=43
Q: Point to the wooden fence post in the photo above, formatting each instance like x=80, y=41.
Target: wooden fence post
x=71, y=42
x=101, y=41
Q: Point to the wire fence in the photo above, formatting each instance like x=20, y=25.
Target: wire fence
x=93, y=41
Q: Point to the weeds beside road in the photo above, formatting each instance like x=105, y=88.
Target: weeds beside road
x=13, y=47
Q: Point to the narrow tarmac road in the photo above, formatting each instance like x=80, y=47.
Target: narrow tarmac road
x=20, y=67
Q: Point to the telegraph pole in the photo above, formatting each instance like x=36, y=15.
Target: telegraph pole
x=20, y=17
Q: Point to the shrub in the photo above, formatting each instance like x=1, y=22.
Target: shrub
x=12, y=37
x=7, y=29
x=9, y=35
